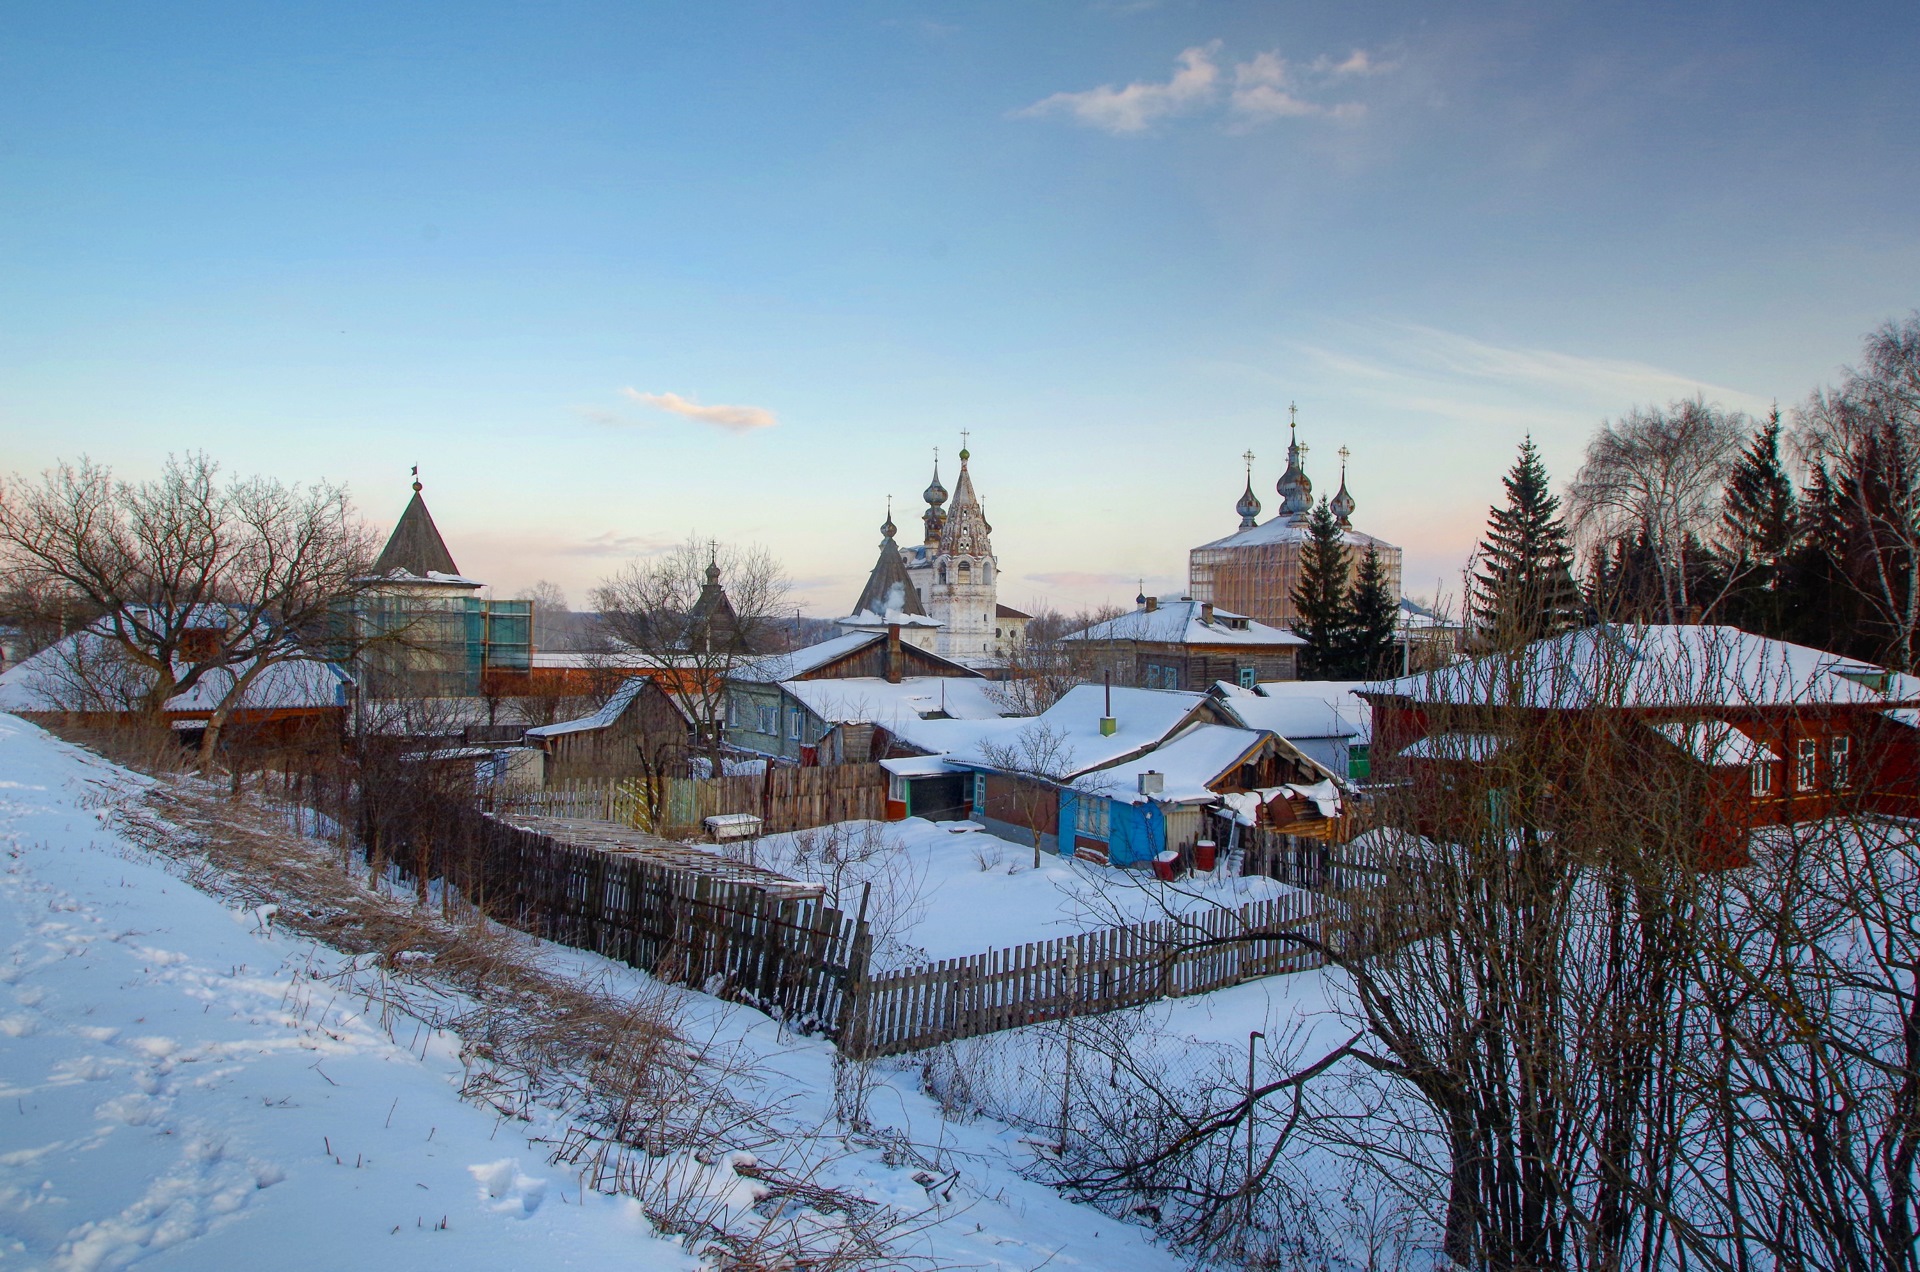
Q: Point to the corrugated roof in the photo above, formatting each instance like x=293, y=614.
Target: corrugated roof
x=1179, y=623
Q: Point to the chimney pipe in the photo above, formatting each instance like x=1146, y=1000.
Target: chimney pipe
x=1206, y=612
x=1108, y=725
x=1153, y=603
x=893, y=653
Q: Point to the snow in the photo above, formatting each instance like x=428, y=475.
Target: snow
x=1715, y=744
x=190, y=1093
x=1301, y=708
x=1657, y=665
x=967, y=891
x=862, y=699
x=610, y=711
x=1188, y=763
x=1282, y=529
x=1180, y=622
x=187, y=1094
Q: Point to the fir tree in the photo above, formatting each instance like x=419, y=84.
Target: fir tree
x=1375, y=615
x=1524, y=587
x=1320, y=597
x=1759, y=533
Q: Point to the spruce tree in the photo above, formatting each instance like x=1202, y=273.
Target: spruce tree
x=1375, y=615
x=1759, y=532
x=1524, y=587
x=1320, y=598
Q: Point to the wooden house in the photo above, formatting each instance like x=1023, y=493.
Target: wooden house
x=1749, y=731
x=766, y=716
x=1186, y=644
x=641, y=730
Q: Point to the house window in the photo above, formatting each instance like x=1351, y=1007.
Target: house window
x=769, y=720
x=1153, y=676
x=979, y=794
x=1091, y=817
x=1249, y=677
x=1170, y=677
x=793, y=725
x=1839, y=751
x=1762, y=778
x=1807, y=755
x=896, y=788
x=733, y=713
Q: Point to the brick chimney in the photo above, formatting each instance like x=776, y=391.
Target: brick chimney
x=1206, y=612
x=1153, y=603
x=894, y=658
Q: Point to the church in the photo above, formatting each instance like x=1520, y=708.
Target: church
x=943, y=592
x=1254, y=570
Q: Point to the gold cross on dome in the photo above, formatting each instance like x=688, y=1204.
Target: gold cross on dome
x=964, y=435
x=1344, y=452
x=1249, y=458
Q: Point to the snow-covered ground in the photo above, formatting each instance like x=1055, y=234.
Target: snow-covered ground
x=950, y=889
x=190, y=1091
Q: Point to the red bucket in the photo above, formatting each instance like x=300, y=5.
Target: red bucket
x=1164, y=863
x=1204, y=853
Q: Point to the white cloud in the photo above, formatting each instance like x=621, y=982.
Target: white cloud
x=1132, y=109
x=1262, y=88
x=735, y=419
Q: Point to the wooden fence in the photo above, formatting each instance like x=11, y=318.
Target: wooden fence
x=794, y=957
x=784, y=798
x=1086, y=974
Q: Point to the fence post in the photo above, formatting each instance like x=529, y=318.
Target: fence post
x=852, y=1016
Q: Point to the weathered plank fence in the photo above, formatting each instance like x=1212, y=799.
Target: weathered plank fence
x=1086, y=974
x=784, y=798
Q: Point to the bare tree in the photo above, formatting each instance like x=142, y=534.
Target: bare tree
x=1043, y=667
x=1037, y=761
x=1867, y=433
x=198, y=582
x=1656, y=476
x=699, y=611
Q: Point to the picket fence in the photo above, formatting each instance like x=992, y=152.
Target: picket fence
x=1086, y=974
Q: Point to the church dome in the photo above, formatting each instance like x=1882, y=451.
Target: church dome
x=1294, y=487
x=935, y=494
x=1249, y=506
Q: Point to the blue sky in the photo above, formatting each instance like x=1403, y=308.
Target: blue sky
x=532, y=247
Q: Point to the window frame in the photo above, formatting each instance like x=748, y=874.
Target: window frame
x=1840, y=760
x=978, y=802
x=1761, y=779
x=1093, y=818
x=1247, y=677
x=768, y=721
x=1806, y=770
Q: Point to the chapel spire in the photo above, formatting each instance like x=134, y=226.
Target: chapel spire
x=966, y=529
x=415, y=547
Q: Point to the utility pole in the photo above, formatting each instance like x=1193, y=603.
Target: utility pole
x=1247, y=1184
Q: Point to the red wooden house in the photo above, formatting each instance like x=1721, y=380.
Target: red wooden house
x=1760, y=731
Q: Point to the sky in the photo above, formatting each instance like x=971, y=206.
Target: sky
x=614, y=275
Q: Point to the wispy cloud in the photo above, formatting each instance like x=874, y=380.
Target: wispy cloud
x=735, y=419
x=609, y=544
x=1133, y=108
x=1444, y=373
x=1264, y=87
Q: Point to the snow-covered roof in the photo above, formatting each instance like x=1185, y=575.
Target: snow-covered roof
x=777, y=667
x=1203, y=754
x=1180, y=622
x=430, y=578
x=88, y=671
x=1459, y=747
x=916, y=766
x=1282, y=529
x=1715, y=743
x=1617, y=665
x=870, y=699
x=1301, y=708
x=869, y=620
x=1065, y=739
x=610, y=711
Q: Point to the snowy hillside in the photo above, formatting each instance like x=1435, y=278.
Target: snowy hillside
x=185, y=1085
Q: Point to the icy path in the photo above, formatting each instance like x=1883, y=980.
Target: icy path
x=176, y=1091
